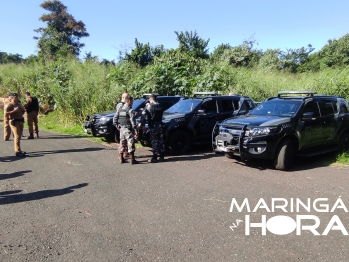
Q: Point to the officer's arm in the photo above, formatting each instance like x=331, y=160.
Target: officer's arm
x=8, y=110
x=28, y=102
x=143, y=117
x=132, y=114
x=116, y=118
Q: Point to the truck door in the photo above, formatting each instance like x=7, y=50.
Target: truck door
x=329, y=115
x=207, y=114
x=309, y=125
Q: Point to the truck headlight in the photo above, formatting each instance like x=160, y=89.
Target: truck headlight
x=258, y=131
x=104, y=119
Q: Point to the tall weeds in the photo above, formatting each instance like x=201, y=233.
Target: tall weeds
x=76, y=89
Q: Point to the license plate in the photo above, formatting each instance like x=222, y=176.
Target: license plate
x=220, y=148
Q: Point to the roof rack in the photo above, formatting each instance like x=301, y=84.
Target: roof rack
x=196, y=94
x=307, y=93
x=147, y=95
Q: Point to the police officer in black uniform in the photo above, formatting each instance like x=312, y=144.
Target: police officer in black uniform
x=153, y=113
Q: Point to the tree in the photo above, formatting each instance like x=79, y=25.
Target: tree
x=62, y=34
x=143, y=54
x=293, y=58
x=90, y=58
x=219, y=50
x=191, y=43
x=6, y=58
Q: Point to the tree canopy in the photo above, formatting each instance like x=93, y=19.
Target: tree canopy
x=191, y=43
x=62, y=35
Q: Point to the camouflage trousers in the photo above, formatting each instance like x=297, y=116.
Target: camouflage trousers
x=157, y=139
x=127, y=141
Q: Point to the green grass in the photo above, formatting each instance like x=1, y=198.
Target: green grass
x=53, y=122
x=343, y=159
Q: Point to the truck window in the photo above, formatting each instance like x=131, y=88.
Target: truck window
x=312, y=106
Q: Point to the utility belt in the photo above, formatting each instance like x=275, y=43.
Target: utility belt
x=126, y=126
x=14, y=120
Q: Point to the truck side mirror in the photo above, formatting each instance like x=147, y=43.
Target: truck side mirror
x=308, y=115
x=201, y=112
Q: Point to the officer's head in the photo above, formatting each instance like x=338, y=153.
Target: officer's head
x=14, y=98
x=152, y=98
x=128, y=100
x=27, y=94
x=123, y=96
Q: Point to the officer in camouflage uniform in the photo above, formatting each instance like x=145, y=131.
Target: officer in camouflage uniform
x=7, y=128
x=153, y=113
x=126, y=124
x=14, y=112
x=118, y=106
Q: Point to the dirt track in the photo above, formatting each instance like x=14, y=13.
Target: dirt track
x=69, y=200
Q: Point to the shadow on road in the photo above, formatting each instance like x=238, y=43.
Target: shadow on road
x=62, y=137
x=10, y=192
x=78, y=150
x=17, y=198
x=299, y=163
x=13, y=175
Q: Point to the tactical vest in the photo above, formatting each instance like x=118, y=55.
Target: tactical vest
x=156, y=112
x=124, y=116
x=33, y=106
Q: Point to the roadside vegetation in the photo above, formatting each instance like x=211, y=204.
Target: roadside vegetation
x=73, y=88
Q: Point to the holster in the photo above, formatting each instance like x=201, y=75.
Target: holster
x=14, y=120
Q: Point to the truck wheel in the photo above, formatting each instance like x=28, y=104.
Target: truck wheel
x=343, y=144
x=228, y=155
x=179, y=143
x=284, y=155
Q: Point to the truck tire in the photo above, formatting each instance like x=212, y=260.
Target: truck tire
x=343, y=143
x=179, y=143
x=229, y=155
x=284, y=155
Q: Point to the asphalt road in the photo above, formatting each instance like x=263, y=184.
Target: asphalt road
x=70, y=200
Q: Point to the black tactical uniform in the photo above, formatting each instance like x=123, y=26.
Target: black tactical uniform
x=153, y=113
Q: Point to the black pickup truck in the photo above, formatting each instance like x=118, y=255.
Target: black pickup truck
x=293, y=123
x=191, y=120
x=101, y=124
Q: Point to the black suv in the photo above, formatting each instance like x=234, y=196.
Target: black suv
x=102, y=124
x=191, y=120
x=284, y=126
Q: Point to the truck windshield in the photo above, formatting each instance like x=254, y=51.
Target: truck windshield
x=137, y=103
x=183, y=106
x=282, y=108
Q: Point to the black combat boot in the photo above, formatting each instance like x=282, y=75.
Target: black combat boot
x=30, y=136
x=121, y=158
x=154, y=159
x=133, y=160
x=162, y=157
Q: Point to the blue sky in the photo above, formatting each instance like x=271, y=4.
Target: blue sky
x=113, y=25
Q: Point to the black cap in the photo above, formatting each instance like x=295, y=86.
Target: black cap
x=13, y=94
